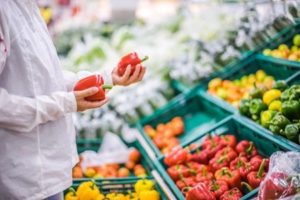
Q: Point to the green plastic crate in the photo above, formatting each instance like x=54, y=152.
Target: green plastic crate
x=248, y=66
x=94, y=144
x=295, y=79
x=266, y=145
x=198, y=112
x=119, y=186
x=285, y=37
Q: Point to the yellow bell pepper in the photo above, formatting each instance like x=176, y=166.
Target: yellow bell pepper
x=84, y=186
x=132, y=196
x=275, y=105
x=88, y=191
x=71, y=195
x=271, y=95
x=149, y=195
x=111, y=195
x=143, y=185
x=90, y=194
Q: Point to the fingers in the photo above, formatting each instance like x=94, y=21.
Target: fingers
x=135, y=75
x=126, y=75
x=141, y=76
x=86, y=92
x=85, y=105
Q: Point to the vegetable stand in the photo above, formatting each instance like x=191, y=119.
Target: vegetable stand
x=264, y=143
x=247, y=67
x=197, y=112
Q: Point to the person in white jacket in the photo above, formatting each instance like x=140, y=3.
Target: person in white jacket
x=37, y=136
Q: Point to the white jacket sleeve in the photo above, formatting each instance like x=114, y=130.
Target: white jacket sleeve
x=22, y=114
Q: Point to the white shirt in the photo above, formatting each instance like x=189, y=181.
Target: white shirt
x=37, y=136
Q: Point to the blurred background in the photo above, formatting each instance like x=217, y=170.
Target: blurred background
x=185, y=40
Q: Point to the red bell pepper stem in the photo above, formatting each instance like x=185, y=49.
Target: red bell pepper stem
x=261, y=168
x=247, y=186
x=249, y=149
x=144, y=59
x=108, y=87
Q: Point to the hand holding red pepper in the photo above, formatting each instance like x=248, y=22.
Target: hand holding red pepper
x=83, y=104
x=129, y=70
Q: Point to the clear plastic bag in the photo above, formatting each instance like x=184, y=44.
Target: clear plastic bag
x=283, y=178
x=112, y=150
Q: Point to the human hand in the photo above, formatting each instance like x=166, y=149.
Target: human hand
x=83, y=104
x=126, y=79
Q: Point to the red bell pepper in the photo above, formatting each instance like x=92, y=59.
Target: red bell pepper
x=178, y=171
x=195, y=167
x=211, y=141
x=176, y=156
x=233, y=177
x=200, y=157
x=238, y=162
x=233, y=194
x=246, y=148
x=204, y=175
x=218, y=187
x=217, y=163
x=131, y=59
x=229, y=140
x=213, y=149
x=273, y=189
x=186, y=182
x=93, y=81
x=256, y=161
x=228, y=152
x=245, y=170
x=200, y=192
x=255, y=177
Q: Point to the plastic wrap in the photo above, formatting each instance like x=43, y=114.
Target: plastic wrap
x=283, y=179
x=112, y=150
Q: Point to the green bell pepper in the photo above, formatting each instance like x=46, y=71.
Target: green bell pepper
x=280, y=85
x=291, y=109
x=257, y=106
x=293, y=93
x=278, y=123
x=292, y=131
x=256, y=93
x=245, y=107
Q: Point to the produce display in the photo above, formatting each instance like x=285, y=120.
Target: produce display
x=143, y=190
x=224, y=166
x=165, y=136
x=284, y=51
x=277, y=109
x=234, y=91
x=219, y=168
x=132, y=167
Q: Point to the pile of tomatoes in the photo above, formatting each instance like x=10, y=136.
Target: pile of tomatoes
x=165, y=136
x=113, y=170
x=223, y=164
